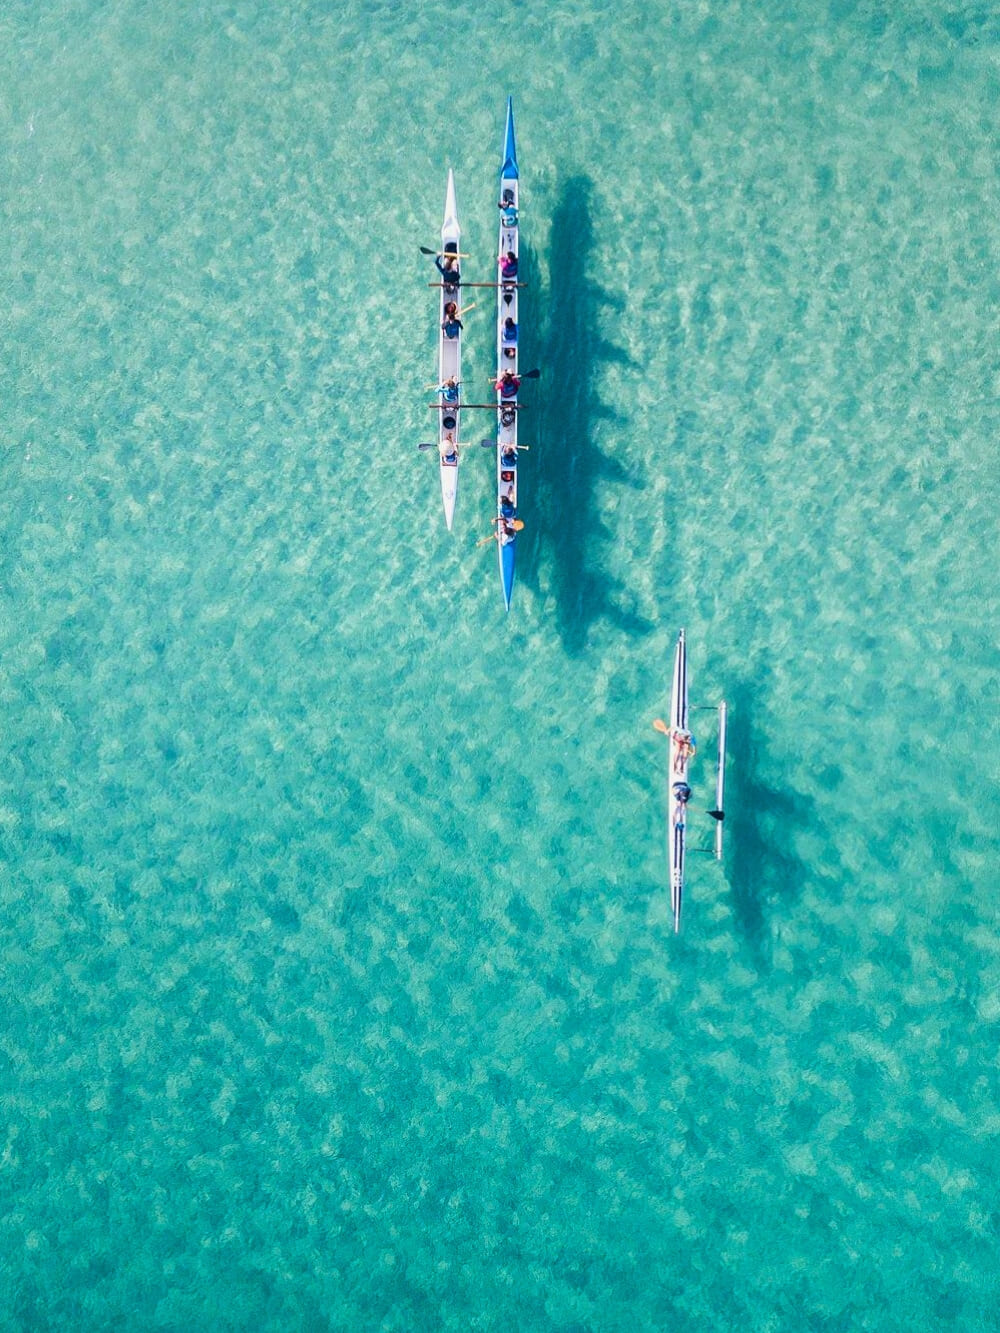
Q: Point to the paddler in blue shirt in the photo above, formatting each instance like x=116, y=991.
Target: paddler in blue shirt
x=448, y=390
x=449, y=270
x=451, y=324
x=508, y=208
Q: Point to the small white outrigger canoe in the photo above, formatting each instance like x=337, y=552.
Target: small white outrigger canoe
x=678, y=788
x=449, y=363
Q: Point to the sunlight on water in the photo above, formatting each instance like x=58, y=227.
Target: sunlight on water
x=340, y=984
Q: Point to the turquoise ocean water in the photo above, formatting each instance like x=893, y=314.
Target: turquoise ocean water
x=338, y=984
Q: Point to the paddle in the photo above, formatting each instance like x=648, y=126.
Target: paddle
x=528, y=375
x=658, y=723
x=440, y=386
x=483, y=444
x=443, y=253
x=509, y=297
x=517, y=525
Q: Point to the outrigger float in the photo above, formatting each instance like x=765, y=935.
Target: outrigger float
x=682, y=749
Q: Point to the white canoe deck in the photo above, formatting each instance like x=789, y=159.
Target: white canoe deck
x=449, y=363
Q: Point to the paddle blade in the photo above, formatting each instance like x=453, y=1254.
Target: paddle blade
x=661, y=726
x=718, y=814
x=487, y=444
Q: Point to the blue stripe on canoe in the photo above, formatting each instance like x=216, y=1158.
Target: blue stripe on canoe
x=507, y=572
x=508, y=172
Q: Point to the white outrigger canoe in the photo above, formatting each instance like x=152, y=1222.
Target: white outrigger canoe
x=507, y=359
x=678, y=787
x=449, y=364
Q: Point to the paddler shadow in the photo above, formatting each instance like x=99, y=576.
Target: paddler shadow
x=564, y=543
x=762, y=870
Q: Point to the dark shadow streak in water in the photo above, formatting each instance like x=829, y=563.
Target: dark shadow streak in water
x=761, y=870
x=561, y=335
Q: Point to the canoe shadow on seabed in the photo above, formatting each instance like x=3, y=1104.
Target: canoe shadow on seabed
x=762, y=870
x=564, y=534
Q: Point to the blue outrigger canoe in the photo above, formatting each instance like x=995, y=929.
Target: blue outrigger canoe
x=507, y=359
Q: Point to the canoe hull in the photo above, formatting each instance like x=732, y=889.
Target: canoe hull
x=507, y=359
x=677, y=779
x=449, y=363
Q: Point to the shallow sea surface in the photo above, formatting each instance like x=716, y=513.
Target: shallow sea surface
x=338, y=982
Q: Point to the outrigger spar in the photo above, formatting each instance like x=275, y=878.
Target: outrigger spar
x=682, y=749
x=507, y=380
